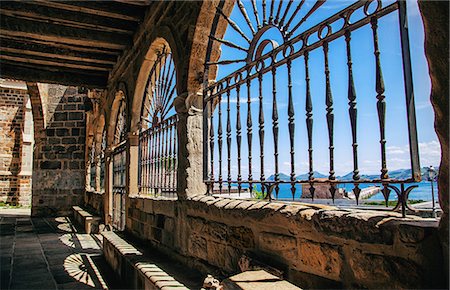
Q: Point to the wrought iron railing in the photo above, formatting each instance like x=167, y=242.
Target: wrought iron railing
x=228, y=99
x=158, y=159
x=119, y=183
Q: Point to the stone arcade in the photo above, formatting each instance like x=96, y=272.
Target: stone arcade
x=84, y=84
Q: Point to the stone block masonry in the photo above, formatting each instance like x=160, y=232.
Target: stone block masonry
x=313, y=246
x=15, y=153
x=59, y=175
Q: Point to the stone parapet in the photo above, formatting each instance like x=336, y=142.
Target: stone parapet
x=312, y=245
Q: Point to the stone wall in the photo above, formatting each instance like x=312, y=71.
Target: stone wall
x=314, y=246
x=58, y=175
x=15, y=147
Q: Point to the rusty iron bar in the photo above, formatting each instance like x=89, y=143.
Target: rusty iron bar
x=228, y=143
x=291, y=125
x=238, y=136
x=249, y=131
x=220, y=142
x=275, y=128
x=309, y=124
x=381, y=103
x=261, y=128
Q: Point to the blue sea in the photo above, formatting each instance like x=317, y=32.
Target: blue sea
x=422, y=192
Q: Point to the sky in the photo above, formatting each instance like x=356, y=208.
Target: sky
x=368, y=135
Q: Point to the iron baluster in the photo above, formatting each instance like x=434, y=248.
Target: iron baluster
x=220, y=141
x=170, y=154
x=261, y=130
x=352, y=110
x=330, y=113
x=381, y=103
x=291, y=126
x=309, y=124
x=275, y=126
x=175, y=154
x=238, y=137
x=211, y=145
x=249, y=130
x=228, y=143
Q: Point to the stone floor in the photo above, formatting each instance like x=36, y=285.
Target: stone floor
x=49, y=253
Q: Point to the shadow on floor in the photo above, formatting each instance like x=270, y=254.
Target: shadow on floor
x=50, y=253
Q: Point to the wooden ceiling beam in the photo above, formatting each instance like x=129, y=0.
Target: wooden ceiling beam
x=29, y=48
x=39, y=60
x=99, y=8
x=58, y=45
x=31, y=11
x=52, y=75
x=52, y=32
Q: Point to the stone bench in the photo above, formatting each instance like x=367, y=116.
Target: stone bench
x=88, y=221
x=133, y=267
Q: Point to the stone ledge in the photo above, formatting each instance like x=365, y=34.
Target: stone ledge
x=365, y=226
x=132, y=266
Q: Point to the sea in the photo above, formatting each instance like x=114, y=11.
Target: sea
x=422, y=192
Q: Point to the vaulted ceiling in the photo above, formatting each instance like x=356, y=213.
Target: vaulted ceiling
x=69, y=42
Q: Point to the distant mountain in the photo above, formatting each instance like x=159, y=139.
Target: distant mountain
x=283, y=177
x=395, y=174
x=305, y=176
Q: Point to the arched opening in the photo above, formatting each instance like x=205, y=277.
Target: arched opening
x=17, y=142
x=118, y=137
x=322, y=52
x=158, y=127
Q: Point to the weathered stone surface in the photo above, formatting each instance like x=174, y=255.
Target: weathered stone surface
x=375, y=270
x=320, y=258
x=282, y=245
x=197, y=247
x=360, y=226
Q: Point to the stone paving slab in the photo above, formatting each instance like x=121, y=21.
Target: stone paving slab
x=49, y=253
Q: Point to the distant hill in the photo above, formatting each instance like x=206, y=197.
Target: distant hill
x=395, y=174
x=306, y=176
x=283, y=177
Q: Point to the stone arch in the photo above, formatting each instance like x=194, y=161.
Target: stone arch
x=120, y=98
x=163, y=38
x=37, y=110
x=201, y=46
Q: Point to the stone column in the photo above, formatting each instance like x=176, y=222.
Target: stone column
x=435, y=15
x=107, y=196
x=190, y=145
x=132, y=163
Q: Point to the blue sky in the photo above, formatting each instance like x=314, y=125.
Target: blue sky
x=364, y=77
